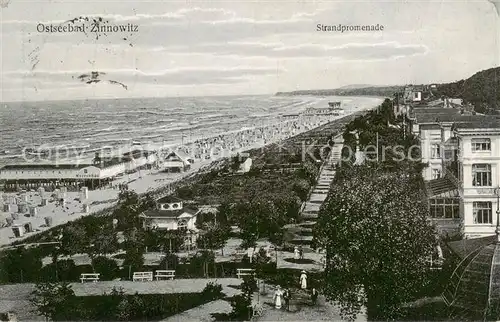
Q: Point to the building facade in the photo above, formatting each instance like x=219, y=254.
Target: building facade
x=170, y=213
x=477, y=173
x=462, y=153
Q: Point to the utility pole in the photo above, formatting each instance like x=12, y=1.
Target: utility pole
x=497, y=230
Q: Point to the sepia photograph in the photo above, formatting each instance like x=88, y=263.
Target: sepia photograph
x=250, y=160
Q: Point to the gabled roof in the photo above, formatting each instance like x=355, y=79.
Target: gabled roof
x=181, y=213
x=180, y=154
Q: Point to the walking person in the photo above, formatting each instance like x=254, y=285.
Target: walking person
x=314, y=296
x=286, y=297
x=303, y=280
x=301, y=252
x=278, y=294
x=296, y=253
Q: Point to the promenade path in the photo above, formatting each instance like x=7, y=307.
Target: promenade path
x=301, y=308
x=202, y=313
x=303, y=231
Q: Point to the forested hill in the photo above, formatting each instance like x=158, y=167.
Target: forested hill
x=481, y=90
x=385, y=91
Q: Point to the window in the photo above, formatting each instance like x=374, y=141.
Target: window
x=182, y=224
x=445, y=208
x=436, y=173
x=482, y=212
x=435, y=151
x=481, y=145
x=85, y=171
x=481, y=175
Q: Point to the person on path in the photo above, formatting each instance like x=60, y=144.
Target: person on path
x=278, y=295
x=296, y=253
x=314, y=296
x=301, y=252
x=303, y=280
x=286, y=297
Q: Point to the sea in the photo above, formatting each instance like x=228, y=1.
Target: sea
x=82, y=127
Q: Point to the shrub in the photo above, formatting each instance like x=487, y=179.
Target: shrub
x=242, y=308
x=170, y=261
x=62, y=270
x=106, y=267
x=212, y=291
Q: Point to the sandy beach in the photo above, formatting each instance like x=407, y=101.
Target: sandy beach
x=141, y=182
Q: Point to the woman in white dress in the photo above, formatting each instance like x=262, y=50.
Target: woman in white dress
x=296, y=253
x=303, y=280
x=278, y=296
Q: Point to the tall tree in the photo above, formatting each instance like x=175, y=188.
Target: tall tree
x=374, y=227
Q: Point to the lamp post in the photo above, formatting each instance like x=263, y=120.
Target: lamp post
x=497, y=230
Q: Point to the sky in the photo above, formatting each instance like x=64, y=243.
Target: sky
x=206, y=48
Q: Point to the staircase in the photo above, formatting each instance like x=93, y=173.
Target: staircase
x=303, y=231
x=310, y=210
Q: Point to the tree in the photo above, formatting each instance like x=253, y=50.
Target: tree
x=54, y=300
x=213, y=236
x=107, y=268
x=375, y=230
x=134, y=259
x=21, y=265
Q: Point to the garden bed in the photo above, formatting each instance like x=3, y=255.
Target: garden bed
x=299, y=261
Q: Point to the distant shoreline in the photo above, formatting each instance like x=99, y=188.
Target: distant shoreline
x=288, y=94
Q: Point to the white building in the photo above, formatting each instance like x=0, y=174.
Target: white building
x=459, y=150
x=477, y=173
x=175, y=161
x=245, y=166
x=92, y=175
x=171, y=214
x=433, y=126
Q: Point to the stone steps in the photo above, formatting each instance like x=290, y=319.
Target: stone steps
x=302, y=232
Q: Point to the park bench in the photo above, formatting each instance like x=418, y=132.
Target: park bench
x=142, y=276
x=164, y=274
x=244, y=272
x=94, y=277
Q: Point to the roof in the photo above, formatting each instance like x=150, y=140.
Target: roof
x=473, y=292
x=107, y=162
x=466, y=246
x=442, y=187
x=486, y=122
x=153, y=213
x=169, y=199
x=137, y=153
x=433, y=115
x=181, y=155
x=439, y=115
x=46, y=166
